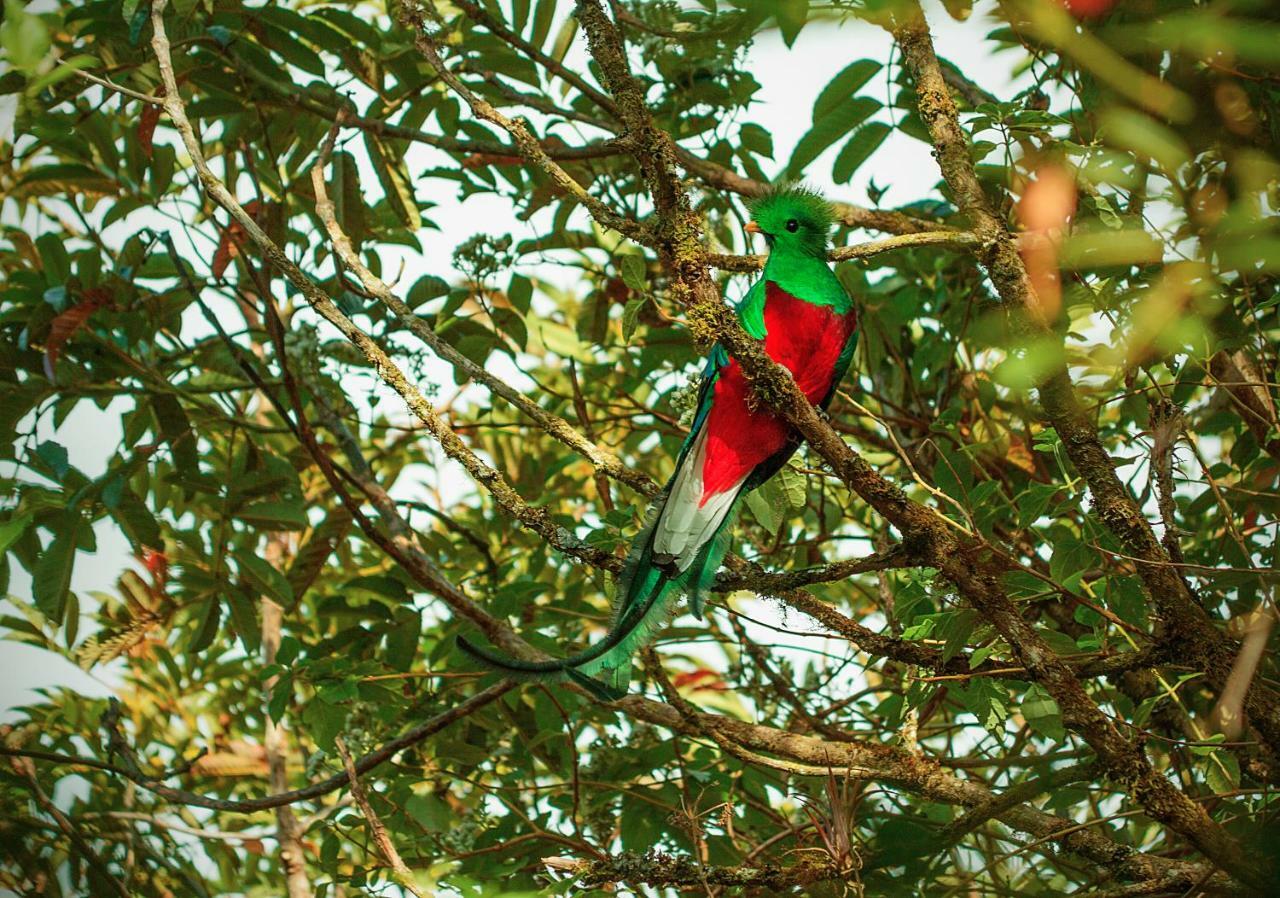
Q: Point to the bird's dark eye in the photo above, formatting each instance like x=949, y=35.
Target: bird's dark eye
x=793, y=225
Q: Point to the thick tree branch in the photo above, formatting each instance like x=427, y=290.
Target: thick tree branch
x=902, y=769
x=946, y=239
x=663, y=870
x=888, y=221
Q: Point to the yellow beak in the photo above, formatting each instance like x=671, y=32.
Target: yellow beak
x=753, y=228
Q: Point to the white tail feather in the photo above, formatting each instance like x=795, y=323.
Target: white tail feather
x=686, y=523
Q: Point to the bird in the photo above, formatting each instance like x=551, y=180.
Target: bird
x=808, y=324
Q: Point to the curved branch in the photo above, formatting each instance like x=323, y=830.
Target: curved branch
x=133, y=772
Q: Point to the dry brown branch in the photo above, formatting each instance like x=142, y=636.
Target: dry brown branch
x=603, y=460
x=402, y=874
x=289, y=831
x=947, y=239
x=1228, y=716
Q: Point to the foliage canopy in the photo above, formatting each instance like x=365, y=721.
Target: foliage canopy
x=1003, y=627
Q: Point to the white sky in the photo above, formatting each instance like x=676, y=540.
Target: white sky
x=790, y=79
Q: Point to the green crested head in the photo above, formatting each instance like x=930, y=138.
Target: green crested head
x=793, y=218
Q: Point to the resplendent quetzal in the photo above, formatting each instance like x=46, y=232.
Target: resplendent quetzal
x=808, y=324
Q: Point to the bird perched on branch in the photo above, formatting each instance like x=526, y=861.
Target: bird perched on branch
x=808, y=324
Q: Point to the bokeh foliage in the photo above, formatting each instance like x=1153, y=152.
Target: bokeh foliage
x=1139, y=164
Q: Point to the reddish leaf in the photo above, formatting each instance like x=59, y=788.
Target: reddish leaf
x=147, y=122
x=1046, y=206
x=66, y=324
x=229, y=243
x=157, y=564
x=484, y=160
x=702, y=678
x=1088, y=9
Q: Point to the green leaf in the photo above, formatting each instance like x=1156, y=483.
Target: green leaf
x=11, y=531
x=955, y=627
x=829, y=128
x=57, y=264
x=1129, y=129
x=631, y=317
x=986, y=699
x=348, y=200
x=564, y=39
x=520, y=293
x=562, y=341
x=175, y=427
x=763, y=510
x=429, y=811
x=244, y=620
x=63, y=70
x=843, y=86
x=1107, y=212
x=51, y=576
x=519, y=15
x=791, y=16
x=1084, y=250
x=55, y=456
x=1223, y=774
x=756, y=139
x=395, y=180
x=281, y=515
x=793, y=486
x=403, y=638
x=979, y=655
x=1208, y=745
x=207, y=628
x=23, y=36
x=289, y=650
x=324, y=721
x=136, y=520
x=72, y=617
x=858, y=150
x=281, y=693
x=635, y=273
x=264, y=577
x=338, y=691
x=1043, y=714
x=425, y=289
x=1034, y=502
x=543, y=14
